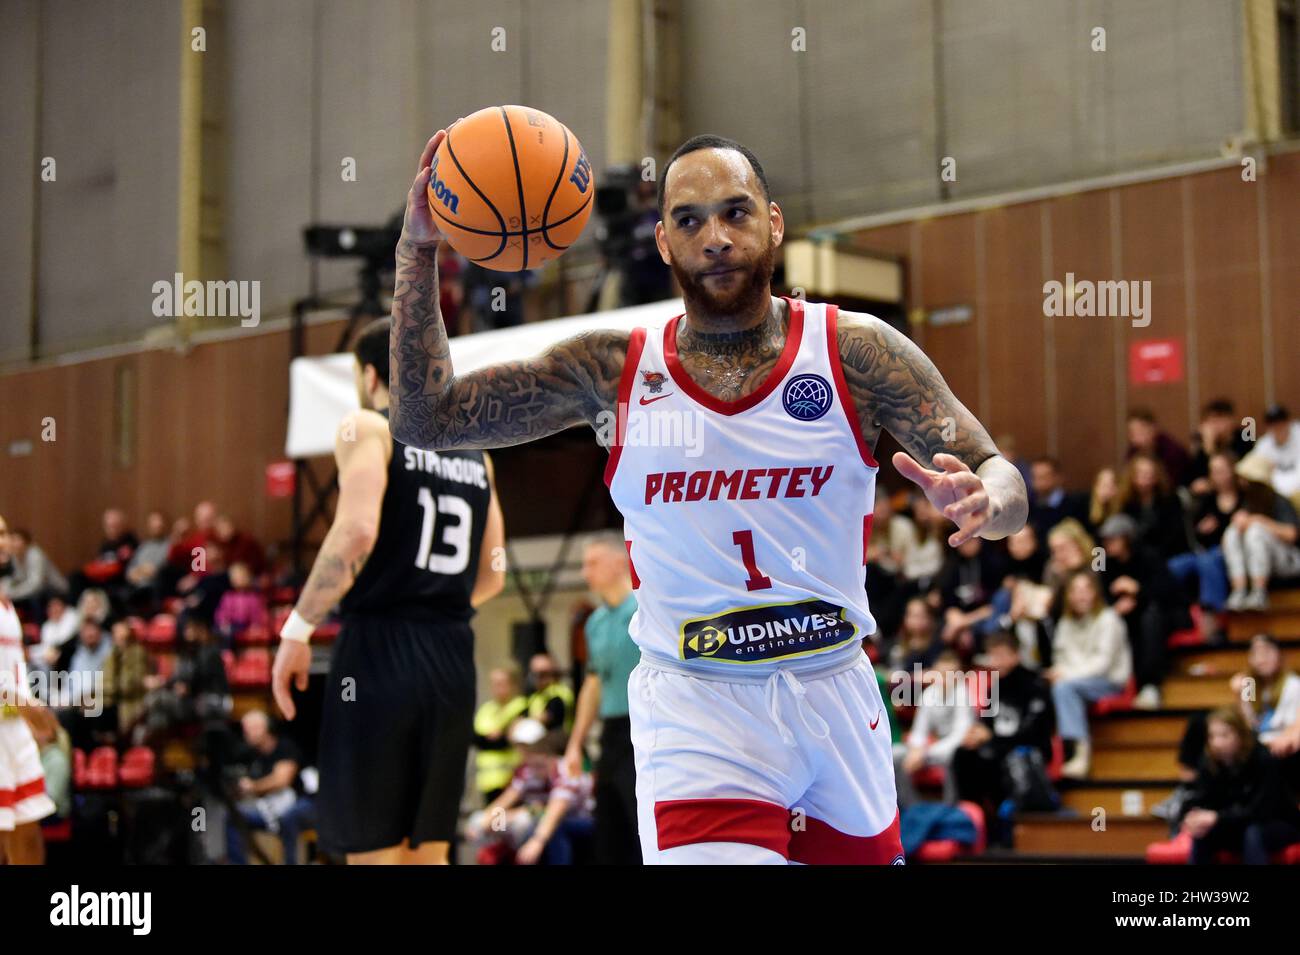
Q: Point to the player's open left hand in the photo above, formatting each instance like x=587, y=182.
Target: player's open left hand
x=954, y=489
x=292, y=664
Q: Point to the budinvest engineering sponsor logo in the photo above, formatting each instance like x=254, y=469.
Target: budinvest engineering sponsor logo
x=767, y=632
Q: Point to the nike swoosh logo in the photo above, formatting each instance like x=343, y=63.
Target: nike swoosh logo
x=876, y=721
x=650, y=401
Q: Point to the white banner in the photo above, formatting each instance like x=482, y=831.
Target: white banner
x=322, y=389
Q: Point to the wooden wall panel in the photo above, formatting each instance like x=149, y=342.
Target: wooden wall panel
x=1280, y=185
x=1151, y=241
x=1225, y=268
x=1012, y=308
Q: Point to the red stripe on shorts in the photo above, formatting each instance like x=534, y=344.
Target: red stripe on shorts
x=820, y=843
x=684, y=822
x=12, y=797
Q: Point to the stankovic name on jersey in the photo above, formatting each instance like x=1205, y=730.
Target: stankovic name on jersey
x=745, y=484
x=452, y=469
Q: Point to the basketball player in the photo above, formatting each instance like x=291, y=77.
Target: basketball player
x=23, y=800
x=408, y=559
x=756, y=718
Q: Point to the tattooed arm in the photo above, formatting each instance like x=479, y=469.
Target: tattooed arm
x=361, y=450
x=505, y=404
x=952, y=458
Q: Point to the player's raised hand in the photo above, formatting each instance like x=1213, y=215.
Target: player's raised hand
x=292, y=664
x=954, y=489
x=419, y=225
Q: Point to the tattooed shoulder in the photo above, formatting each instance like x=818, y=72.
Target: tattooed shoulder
x=897, y=388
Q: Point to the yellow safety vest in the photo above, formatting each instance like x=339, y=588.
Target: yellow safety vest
x=537, y=703
x=496, y=766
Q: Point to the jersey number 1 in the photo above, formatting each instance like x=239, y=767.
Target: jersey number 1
x=745, y=541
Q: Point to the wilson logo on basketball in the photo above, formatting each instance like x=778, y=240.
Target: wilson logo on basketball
x=440, y=190
x=581, y=176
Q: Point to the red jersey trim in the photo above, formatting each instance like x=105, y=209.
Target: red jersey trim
x=793, y=339
x=842, y=386
x=635, y=345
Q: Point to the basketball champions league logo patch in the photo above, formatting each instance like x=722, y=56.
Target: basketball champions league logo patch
x=807, y=397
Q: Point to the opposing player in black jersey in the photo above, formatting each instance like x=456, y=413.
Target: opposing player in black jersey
x=409, y=556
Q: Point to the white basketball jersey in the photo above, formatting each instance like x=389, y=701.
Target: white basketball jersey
x=746, y=522
x=13, y=666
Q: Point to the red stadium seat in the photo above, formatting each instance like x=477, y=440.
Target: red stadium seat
x=139, y=627
x=79, y=768
x=137, y=767
x=1058, y=759
x=327, y=631
x=251, y=670
x=161, y=631
x=929, y=777
x=31, y=633
x=1178, y=851
x=101, y=768
x=174, y=605
x=945, y=850
x=1117, y=703
x=57, y=831
x=255, y=635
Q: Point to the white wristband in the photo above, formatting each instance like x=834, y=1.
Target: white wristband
x=296, y=628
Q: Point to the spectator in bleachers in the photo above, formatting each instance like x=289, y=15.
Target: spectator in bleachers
x=1219, y=431
x=80, y=703
x=270, y=793
x=496, y=758
x=918, y=642
x=1238, y=801
x=143, y=572
x=125, y=675
x=242, y=606
x=61, y=625
x=1211, y=516
x=1069, y=548
x=1267, y=698
x=1259, y=545
x=450, y=292
x=56, y=760
x=1146, y=496
x=1052, y=502
x=1104, y=500
x=1142, y=591
x=496, y=299
x=198, y=690
x=1090, y=660
x=922, y=564
x=238, y=547
x=945, y=713
x=551, y=702
x=33, y=579
x=1280, y=447
x=1023, y=717
x=970, y=577
x=543, y=810
x=1020, y=604
x=107, y=568
x=203, y=599
x=1145, y=437
x=186, y=560
x=893, y=537
x=94, y=605
x=1269, y=694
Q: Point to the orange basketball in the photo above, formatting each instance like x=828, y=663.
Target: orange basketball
x=510, y=187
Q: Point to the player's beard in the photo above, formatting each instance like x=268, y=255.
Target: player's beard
x=749, y=295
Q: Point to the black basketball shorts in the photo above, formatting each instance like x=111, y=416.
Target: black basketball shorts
x=395, y=733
